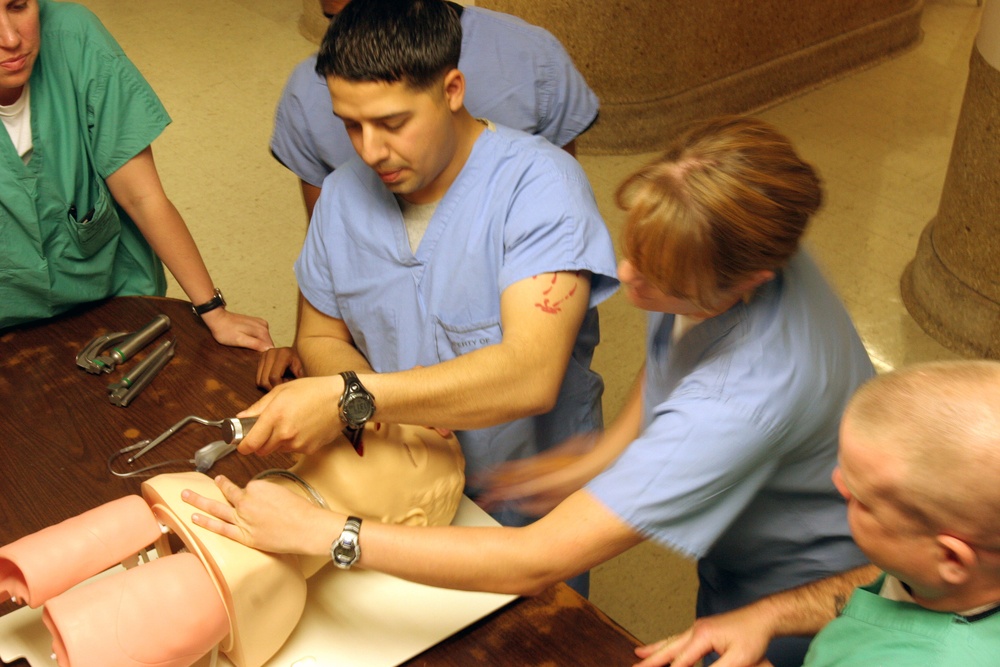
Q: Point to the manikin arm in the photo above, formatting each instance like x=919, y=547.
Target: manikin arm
x=43, y=564
x=165, y=613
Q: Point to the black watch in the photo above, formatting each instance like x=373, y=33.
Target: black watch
x=357, y=406
x=217, y=301
x=346, y=550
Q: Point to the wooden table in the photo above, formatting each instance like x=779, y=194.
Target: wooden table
x=58, y=429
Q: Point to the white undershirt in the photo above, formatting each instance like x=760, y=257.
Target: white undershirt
x=416, y=217
x=17, y=120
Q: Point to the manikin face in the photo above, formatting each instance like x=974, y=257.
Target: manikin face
x=19, y=43
x=408, y=474
x=408, y=137
x=866, y=476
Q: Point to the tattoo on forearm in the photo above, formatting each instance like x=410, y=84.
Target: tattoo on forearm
x=839, y=602
x=555, y=294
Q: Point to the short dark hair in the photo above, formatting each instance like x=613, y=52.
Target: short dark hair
x=413, y=41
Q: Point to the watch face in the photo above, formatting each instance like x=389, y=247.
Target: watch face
x=345, y=552
x=358, y=408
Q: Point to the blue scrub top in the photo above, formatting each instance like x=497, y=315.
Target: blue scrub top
x=518, y=208
x=741, y=420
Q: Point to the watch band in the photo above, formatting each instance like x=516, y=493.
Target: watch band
x=217, y=301
x=346, y=549
x=354, y=395
x=353, y=436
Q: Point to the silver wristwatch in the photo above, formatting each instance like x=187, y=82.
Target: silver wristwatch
x=345, y=550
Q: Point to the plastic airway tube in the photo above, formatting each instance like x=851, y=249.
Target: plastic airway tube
x=206, y=457
x=165, y=613
x=44, y=564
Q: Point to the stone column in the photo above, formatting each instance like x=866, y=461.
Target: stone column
x=952, y=286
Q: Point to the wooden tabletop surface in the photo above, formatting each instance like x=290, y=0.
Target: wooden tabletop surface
x=58, y=430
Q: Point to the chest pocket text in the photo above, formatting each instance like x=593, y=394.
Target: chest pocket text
x=456, y=340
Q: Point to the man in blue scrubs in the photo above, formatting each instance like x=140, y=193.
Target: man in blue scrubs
x=517, y=75
x=454, y=265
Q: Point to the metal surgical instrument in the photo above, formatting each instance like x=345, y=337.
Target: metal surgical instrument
x=203, y=459
x=234, y=429
x=95, y=357
x=122, y=392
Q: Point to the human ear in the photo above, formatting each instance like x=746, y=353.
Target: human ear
x=758, y=278
x=454, y=89
x=745, y=288
x=955, y=560
x=838, y=483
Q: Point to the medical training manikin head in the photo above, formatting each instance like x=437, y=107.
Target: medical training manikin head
x=407, y=475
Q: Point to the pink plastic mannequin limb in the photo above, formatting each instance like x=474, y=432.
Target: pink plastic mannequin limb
x=165, y=613
x=44, y=564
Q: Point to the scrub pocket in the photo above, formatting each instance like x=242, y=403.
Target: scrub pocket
x=456, y=340
x=100, y=228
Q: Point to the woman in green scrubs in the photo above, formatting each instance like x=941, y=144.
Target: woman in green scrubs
x=83, y=215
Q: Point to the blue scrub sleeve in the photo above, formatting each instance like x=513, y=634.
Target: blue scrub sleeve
x=690, y=473
x=569, y=105
x=544, y=233
x=305, y=102
x=312, y=269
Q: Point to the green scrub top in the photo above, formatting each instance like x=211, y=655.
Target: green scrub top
x=874, y=631
x=63, y=239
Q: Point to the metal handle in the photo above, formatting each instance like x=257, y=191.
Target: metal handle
x=235, y=429
x=122, y=392
x=141, y=338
